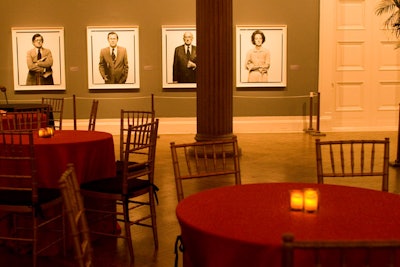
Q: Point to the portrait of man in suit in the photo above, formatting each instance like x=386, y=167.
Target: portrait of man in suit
x=113, y=64
x=39, y=61
x=185, y=63
x=38, y=58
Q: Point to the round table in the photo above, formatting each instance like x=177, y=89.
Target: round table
x=243, y=225
x=91, y=152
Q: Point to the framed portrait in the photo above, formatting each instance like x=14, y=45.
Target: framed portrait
x=261, y=56
x=38, y=58
x=113, y=57
x=179, y=56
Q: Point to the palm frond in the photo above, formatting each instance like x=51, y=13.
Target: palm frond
x=392, y=22
x=387, y=6
x=391, y=7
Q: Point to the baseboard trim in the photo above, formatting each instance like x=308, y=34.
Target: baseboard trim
x=278, y=124
x=189, y=125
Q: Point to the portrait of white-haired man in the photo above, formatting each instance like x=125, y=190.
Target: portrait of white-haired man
x=184, y=67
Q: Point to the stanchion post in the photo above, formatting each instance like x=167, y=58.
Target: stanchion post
x=317, y=132
x=396, y=163
x=310, y=126
x=4, y=90
x=152, y=103
x=74, y=110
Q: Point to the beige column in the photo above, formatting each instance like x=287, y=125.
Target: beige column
x=214, y=30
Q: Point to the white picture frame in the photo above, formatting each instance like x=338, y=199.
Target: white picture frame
x=275, y=43
x=22, y=46
x=128, y=38
x=172, y=37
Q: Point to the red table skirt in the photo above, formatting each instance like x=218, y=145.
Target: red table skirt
x=92, y=154
x=243, y=225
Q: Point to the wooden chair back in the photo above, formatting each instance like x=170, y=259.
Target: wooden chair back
x=75, y=212
x=93, y=115
x=130, y=187
x=56, y=112
x=204, y=159
x=21, y=197
x=138, y=175
x=17, y=162
x=320, y=253
x=140, y=151
x=24, y=120
x=353, y=158
x=132, y=118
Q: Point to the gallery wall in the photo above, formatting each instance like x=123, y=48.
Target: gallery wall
x=300, y=17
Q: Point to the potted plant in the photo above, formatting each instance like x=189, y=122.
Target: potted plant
x=391, y=7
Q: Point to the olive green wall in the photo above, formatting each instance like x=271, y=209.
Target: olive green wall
x=301, y=18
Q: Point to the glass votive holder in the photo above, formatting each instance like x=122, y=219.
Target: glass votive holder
x=296, y=200
x=46, y=132
x=42, y=132
x=311, y=200
x=50, y=131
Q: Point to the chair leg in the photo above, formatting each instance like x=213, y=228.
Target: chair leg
x=64, y=231
x=128, y=235
x=153, y=217
x=35, y=241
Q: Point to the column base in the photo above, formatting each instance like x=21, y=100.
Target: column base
x=203, y=138
x=206, y=137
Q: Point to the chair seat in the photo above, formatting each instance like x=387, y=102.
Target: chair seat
x=24, y=198
x=114, y=185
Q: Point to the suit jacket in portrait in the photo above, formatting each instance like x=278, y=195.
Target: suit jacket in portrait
x=115, y=71
x=181, y=73
x=40, y=71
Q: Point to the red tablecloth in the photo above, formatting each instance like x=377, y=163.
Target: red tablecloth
x=91, y=152
x=243, y=225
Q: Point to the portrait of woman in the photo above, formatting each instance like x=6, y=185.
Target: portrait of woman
x=258, y=59
x=261, y=56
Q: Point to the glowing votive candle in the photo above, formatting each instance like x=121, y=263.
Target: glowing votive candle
x=296, y=200
x=42, y=132
x=50, y=131
x=311, y=200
